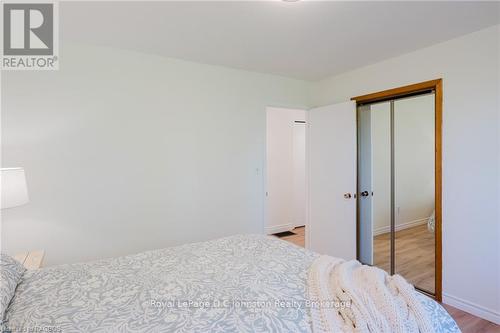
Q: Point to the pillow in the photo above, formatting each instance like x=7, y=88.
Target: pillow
x=11, y=272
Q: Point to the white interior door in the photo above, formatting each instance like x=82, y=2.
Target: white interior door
x=332, y=180
x=299, y=173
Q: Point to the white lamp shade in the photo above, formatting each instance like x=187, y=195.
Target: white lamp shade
x=14, y=189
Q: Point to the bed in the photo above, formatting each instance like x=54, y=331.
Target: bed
x=244, y=283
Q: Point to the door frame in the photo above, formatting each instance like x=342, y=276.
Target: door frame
x=437, y=86
x=266, y=230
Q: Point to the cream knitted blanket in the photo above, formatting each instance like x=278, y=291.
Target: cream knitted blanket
x=349, y=297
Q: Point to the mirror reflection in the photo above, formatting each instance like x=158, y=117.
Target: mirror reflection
x=396, y=177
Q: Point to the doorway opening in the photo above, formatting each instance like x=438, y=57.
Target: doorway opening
x=285, y=200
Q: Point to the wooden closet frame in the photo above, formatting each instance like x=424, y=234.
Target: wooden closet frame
x=437, y=86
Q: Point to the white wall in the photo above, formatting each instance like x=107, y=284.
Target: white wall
x=471, y=226
x=125, y=152
x=282, y=176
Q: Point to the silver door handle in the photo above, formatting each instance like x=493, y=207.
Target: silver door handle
x=365, y=194
x=347, y=196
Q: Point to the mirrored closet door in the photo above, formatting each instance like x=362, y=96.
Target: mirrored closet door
x=396, y=187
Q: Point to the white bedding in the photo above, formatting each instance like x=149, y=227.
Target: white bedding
x=247, y=283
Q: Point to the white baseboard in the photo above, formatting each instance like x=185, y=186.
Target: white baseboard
x=401, y=226
x=279, y=228
x=472, y=308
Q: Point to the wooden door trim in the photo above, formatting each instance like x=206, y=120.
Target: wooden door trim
x=438, y=123
x=397, y=92
x=437, y=86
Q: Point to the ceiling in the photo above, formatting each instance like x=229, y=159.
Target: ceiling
x=308, y=40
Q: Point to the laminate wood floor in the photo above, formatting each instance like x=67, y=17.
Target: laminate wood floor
x=298, y=238
x=468, y=323
x=414, y=255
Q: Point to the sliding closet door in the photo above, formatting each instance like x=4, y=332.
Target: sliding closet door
x=332, y=180
x=396, y=173
x=374, y=187
x=414, y=187
x=380, y=122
